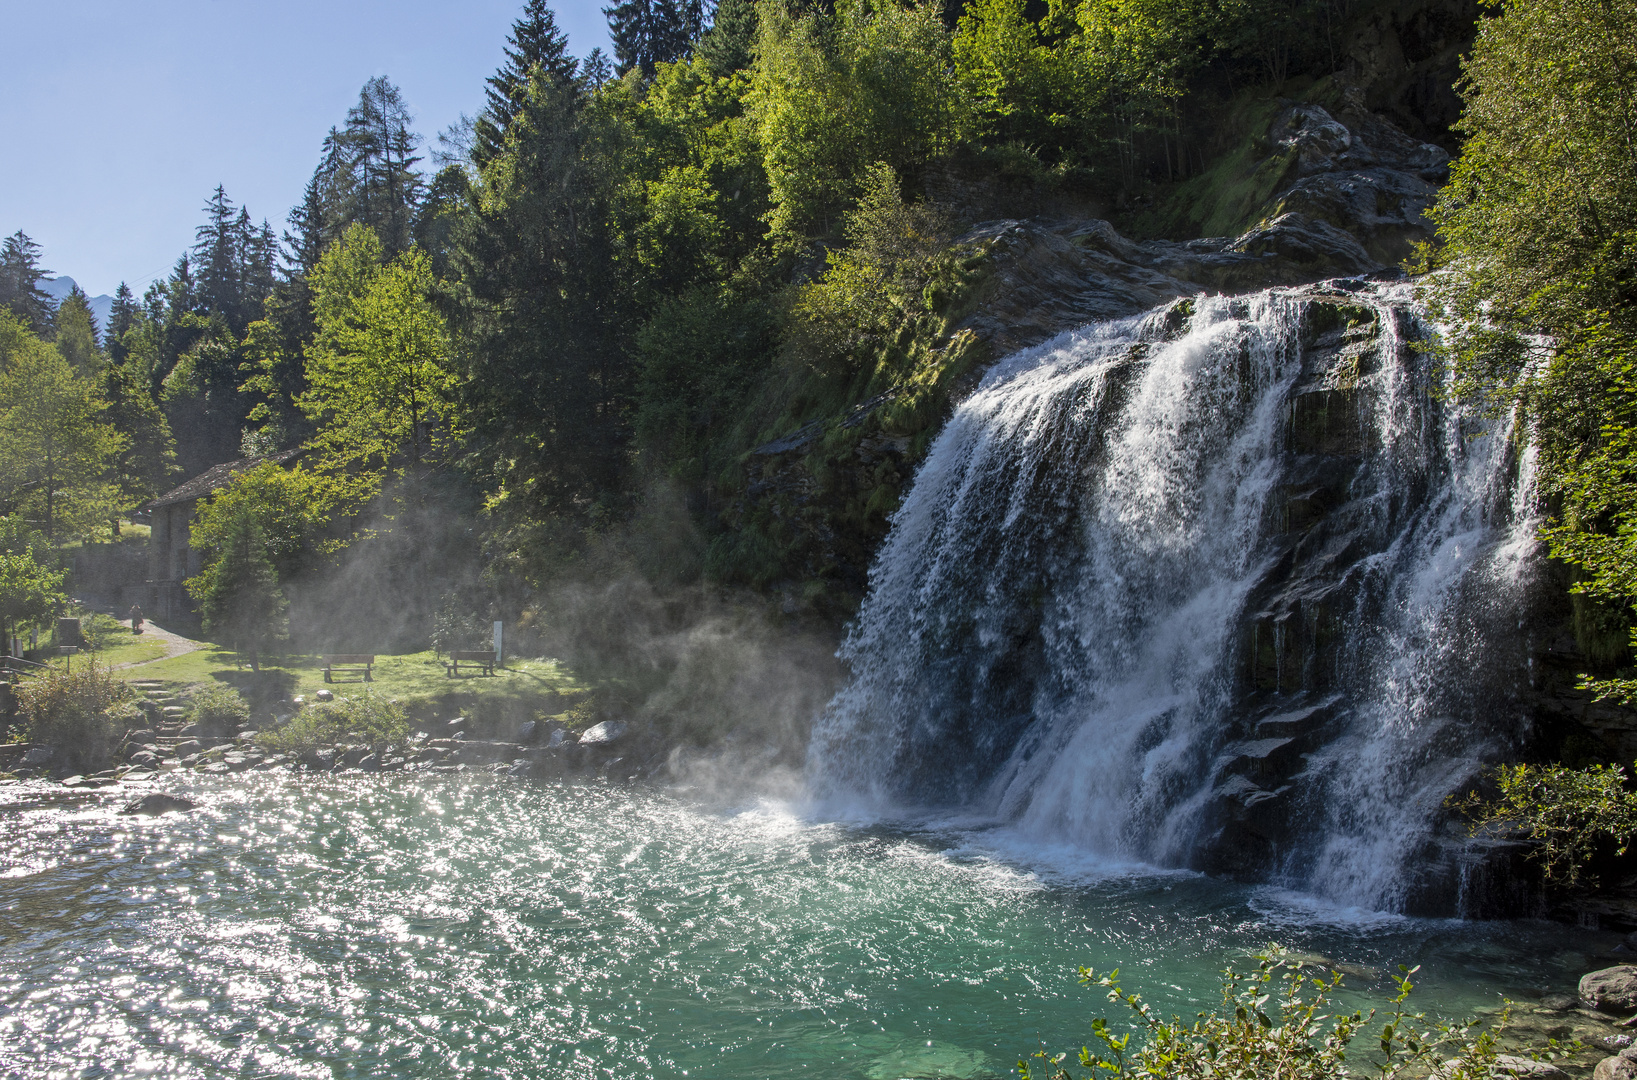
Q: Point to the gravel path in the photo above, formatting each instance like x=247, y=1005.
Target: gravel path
x=175, y=644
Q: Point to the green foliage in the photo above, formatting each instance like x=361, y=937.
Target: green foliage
x=1275, y=1023
x=75, y=333
x=379, y=383
x=238, y=590
x=833, y=95
x=454, y=627
x=367, y=719
x=55, y=444
x=82, y=712
x=1570, y=815
x=870, y=284
x=219, y=708
x=30, y=593
x=1540, y=215
x=292, y=510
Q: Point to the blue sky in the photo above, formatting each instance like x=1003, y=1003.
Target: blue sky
x=117, y=120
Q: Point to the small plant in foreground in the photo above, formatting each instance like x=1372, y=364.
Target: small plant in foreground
x=219, y=709
x=81, y=712
x=1275, y=1023
x=1570, y=814
x=367, y=719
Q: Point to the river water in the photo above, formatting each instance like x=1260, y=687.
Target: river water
x=437, y=926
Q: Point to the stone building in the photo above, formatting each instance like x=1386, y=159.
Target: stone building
x=171, y=558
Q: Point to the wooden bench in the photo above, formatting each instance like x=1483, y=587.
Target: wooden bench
x=347, y=664
x=478, y=658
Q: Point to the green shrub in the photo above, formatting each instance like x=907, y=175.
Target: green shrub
x=1276, y=1022
x=220, y=709
x=367, y=719
x=1570, y=815
x=82, y=712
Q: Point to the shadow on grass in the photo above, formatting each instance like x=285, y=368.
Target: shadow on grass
x=257, y=687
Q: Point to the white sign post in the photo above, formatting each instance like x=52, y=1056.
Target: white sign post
x=500, y=656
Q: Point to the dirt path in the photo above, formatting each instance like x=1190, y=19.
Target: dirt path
x=175, y=644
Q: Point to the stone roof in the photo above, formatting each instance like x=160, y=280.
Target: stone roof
x=216, y=476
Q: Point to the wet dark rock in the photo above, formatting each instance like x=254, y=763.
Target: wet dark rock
x=216, y=768
x=323, y=759
x=1559, y=1002
x=456, y=726
x=158, y=802
x=370, y=763
x=1611, y=990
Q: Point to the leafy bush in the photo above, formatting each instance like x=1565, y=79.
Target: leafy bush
x=454, y=628
x=367, y=719
x=99, y=629
x=1276, y=1022
x=1570, y=815
x=219, y=708
x=82, y=712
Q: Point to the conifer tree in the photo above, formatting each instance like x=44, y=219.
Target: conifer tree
x=216, y=253
x=305, y=240
x=535, y=43
x=730, y=43
x=596, y=69
x=20, y=277
x=76, y=332
x=238, y=592
x=121, y=318
x=380, y=153
x=650, y=32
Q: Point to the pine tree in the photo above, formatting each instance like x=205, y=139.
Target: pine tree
x=535, y=43
x=121, y=318
x=730, y=43
x=305, y=240
x=239, y=594
x=216, y=251
x=651, y=32
x=20, y=277
x=596, y=70
x=379, y=151
x=76, y=332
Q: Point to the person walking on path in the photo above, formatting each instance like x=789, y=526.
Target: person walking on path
x=136, y=619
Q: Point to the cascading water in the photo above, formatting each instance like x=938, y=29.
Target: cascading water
x=1214, y=587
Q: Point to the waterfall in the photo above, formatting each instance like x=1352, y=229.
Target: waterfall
x=1218, y=586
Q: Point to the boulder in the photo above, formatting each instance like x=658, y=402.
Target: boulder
x=370, y=763
x=324, y=695
x=604, y=734
x=186, y=747
x=146, y=759
x=36, y=757
x=156, y=803
x=1508, y=1065
x=1611, y=990
x=192, y=731
x=456, y=726
x=1612, y=1068
x=139, y=736
x=527, y=731
x=1558, y=1002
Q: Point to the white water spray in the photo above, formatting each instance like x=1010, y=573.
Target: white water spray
x=1054, y=630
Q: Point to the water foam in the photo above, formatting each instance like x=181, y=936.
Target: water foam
x=1053, y=625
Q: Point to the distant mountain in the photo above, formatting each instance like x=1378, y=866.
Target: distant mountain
x=101, y=306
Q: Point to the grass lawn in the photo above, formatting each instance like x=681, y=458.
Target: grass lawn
x=124, y=647
x=523, y=689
